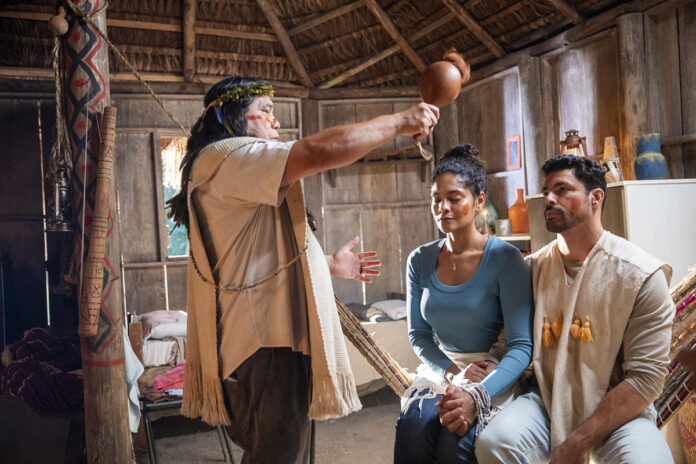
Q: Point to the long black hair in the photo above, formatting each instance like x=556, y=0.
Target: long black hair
x=463, y=161
x=217, y=122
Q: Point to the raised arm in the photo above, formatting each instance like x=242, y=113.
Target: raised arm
x=342, y=145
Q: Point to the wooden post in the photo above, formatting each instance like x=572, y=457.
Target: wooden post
x=107, y=434
x=446, y=131
x=189, y=40
x=634, y=90
x=532, y=122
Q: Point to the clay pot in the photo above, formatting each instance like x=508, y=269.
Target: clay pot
x=518, y=214
x=441, y=81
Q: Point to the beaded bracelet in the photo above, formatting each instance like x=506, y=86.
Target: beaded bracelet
x=482, y=400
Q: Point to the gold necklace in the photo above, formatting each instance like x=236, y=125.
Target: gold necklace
x=454, y=265
x=451, y=258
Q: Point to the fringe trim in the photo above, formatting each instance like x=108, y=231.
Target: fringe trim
x=334, y=398
x=203, y=397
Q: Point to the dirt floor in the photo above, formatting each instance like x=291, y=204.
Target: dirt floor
x=366, y=437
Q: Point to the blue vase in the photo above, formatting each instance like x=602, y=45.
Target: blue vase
x=649, y=163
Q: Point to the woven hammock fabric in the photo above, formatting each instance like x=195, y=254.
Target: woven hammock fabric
x=390, y=370
x=676, y=391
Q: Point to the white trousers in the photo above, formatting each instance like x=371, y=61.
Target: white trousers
x=520, y=434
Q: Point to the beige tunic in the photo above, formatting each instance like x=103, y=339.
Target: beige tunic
x=573, y=375
x=247, y=232
x=333, y=385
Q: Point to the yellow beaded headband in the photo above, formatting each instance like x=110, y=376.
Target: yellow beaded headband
x=236, y=93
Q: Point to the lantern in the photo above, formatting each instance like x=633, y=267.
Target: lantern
x=574, y=144
x=59, y=221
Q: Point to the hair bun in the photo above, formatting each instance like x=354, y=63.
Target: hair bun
x=464, y=150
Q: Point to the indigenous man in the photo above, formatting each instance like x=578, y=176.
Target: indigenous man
x=265, y=348
x=601, y=340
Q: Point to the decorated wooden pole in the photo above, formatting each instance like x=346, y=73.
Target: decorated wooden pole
x=93, y=273
x=108, y=438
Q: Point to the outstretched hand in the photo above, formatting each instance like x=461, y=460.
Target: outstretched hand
x=357, y=266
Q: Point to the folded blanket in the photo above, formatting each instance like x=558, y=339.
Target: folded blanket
x=172, y=379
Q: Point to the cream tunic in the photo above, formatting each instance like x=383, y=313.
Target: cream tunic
x=631, y=338
x=247, y=232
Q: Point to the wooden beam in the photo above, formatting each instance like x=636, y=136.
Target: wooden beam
x=678, y=140
x=386, y=78
x=532, y=117
x=236, y=34
x=189, y=40
x=395, y=34
x=356, y=69
x=285, y=41
x=385, y=53
x=474, y=27
x=347, y=93
x=567, y=9
x=151, y=26
x=335, y=13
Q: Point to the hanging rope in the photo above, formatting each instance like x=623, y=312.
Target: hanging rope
x=125, y=61
x=60, y=152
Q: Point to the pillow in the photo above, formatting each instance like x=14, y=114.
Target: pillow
x=162, y=324
x=395, y=309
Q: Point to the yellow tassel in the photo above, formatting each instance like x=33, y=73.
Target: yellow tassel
x=586, y=333
x=557, y=326
x=546, y=335
x=575, y=328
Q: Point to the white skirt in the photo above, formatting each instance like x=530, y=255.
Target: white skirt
x=427, y=384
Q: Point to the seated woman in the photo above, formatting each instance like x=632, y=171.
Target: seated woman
x=464, y=290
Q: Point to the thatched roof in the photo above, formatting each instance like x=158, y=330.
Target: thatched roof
x=331, y=43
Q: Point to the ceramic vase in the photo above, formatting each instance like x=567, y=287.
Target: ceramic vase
x=649, y=163
x=518, y=214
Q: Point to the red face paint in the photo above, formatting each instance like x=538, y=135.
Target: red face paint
x=253, y=117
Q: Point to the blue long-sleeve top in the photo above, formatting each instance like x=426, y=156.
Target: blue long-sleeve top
x=467, y=318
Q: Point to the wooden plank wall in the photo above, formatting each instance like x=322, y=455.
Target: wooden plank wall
x=671, y=50
x=384, y=202
x=151, y=279
x=489, y=113
x=21, y=226
x=580, y=90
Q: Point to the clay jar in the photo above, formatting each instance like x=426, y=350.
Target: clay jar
x=440, y=83
x=518, y=214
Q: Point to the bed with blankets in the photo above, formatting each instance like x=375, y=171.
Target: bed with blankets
x=164, y=342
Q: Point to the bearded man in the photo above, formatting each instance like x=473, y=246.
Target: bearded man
x=602, y=328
